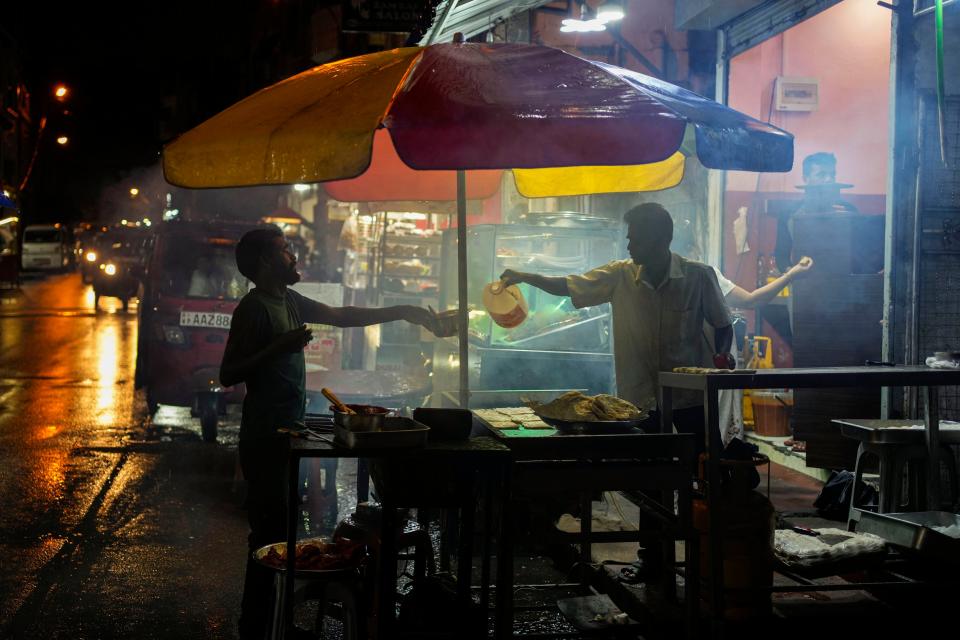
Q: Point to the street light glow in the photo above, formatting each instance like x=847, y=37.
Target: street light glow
x=61, y=91
x=62, y=140
x=134, y=191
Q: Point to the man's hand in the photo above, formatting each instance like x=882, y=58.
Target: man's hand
x=293, y=340
x=724, y=361
x=511, y=277
x=801, y=268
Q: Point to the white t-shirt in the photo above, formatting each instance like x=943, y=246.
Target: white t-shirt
x=730, y=410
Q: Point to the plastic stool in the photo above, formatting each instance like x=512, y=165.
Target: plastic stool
x=914, y=461
x=339, y=586
x=894, y=458
x=413, y=534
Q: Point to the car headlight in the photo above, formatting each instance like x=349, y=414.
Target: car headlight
x=91, y=256
x=110, y=269
x=173, y=334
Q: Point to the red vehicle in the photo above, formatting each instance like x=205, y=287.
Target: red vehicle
x=9, y=252
x=192, y=287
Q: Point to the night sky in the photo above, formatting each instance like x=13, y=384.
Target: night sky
x=120, y=60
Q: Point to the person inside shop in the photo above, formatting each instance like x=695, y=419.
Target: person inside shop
x=730, y=412
x=731, y=400
x=265, y=351
x=659, y=302
x=821, y=193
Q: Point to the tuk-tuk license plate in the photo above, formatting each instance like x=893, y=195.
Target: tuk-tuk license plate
x=208, y=320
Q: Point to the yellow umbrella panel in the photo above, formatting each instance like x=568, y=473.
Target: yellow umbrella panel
x=576, y=181
x=313, y=127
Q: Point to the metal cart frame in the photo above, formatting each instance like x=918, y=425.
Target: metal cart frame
x=711, y=383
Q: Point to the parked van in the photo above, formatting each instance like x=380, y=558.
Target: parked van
x=46, y=246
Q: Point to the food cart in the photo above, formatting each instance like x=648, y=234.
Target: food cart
x=499, y=109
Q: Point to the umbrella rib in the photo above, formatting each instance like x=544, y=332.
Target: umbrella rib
x=403, y=81
x=276, y=130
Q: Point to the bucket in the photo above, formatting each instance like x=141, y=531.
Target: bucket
x=771, y=412
x=506, y=305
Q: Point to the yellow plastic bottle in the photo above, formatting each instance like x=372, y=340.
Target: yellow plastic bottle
x=758, y=353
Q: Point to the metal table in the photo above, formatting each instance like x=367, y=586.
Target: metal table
x=548, y=462
x=489, y=458
x=711, y=383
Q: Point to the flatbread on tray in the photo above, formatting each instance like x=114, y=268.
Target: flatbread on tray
x=530, y=421
x=704, y=370
x=501, y=424
x=574, y=406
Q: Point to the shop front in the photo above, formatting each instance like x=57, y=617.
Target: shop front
x=821, y=70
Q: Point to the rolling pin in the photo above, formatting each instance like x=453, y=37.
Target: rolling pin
x=335, y=401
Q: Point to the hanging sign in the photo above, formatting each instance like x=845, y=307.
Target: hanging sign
x=384, y=16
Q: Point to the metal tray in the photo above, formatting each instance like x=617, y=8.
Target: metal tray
x=344, y=570
x=396, y=432
x=596, y=427
x=894, y=431
x=914, y=531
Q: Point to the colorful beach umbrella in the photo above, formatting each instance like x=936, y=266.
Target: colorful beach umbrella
x=565, y=125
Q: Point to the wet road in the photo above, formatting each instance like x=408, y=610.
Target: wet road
x=112, y=524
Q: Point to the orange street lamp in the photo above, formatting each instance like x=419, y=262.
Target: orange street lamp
x=134, y=192
x=63, y=140
x=61, y=91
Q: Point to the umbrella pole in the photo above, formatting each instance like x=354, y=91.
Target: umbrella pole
x=462, y=316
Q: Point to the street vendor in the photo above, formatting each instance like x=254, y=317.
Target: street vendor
x=659, y=303
x=265, y=351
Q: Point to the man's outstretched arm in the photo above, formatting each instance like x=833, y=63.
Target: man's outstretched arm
x=319, y=313
x=556, y=285
x=742, y=299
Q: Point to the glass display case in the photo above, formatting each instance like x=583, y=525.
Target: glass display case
x=557, y=347
x=408, y=272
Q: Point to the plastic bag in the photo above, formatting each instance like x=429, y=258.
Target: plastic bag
x=833, y=502
x=831, y=545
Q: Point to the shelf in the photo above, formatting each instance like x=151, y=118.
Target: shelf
x=412, y=239
x=404, y=345
x=390, y=274
x=393, y=256
x=407, y=294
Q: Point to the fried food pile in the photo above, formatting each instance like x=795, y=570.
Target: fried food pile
x=316, y=555
x=574, y=406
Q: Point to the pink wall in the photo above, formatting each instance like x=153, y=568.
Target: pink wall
x=847, y=48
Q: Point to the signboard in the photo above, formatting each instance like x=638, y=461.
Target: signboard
x=383, y=16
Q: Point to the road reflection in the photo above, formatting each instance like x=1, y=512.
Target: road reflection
x=107, y=367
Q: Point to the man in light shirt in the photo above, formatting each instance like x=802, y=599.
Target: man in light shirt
x=659, y=303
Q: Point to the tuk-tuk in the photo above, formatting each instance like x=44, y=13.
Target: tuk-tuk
x=9, y=252
x=191, y=288
x=120, y=265
x=88, y=252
